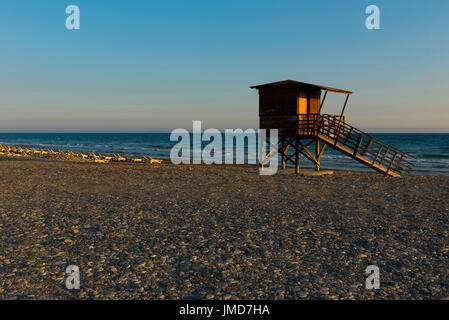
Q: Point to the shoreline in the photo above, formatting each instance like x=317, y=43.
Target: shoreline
x=20, y=151
x=167, y=161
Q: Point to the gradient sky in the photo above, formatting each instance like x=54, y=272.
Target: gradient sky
x=142, y=65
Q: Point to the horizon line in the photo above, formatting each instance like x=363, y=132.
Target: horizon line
x=169, y=131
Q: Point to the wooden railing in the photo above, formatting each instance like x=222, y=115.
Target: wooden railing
x=307, y=123
x=361, y=146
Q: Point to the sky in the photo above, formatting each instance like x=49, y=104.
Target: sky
x=144, y=66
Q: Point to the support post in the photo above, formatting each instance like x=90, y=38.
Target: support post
x=317, y=154
x=322, y=103
x=359, y=143
x=282, y=152
x=297, y=155
x=344, y=106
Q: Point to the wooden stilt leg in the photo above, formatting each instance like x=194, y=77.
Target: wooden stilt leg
x=297, y=156
x=317, y=154
x=282, y=153
x=262, y=158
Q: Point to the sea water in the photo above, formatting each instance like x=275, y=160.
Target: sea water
x=431, y=150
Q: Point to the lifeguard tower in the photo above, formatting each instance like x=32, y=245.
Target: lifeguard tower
x=295, y=109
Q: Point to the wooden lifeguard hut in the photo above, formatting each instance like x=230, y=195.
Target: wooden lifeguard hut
x=295, y=110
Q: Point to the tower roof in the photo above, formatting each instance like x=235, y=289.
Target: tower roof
x=299, y=85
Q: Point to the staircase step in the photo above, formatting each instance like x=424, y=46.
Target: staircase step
x=374, y=153
x=354, y=154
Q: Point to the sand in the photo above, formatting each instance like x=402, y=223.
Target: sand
x=139, y=231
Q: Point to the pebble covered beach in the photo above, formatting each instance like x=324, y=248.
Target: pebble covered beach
x=162, y=231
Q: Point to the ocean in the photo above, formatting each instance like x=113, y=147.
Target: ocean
x=431, y=150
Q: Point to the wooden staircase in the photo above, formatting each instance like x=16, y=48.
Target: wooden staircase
x=374, y=153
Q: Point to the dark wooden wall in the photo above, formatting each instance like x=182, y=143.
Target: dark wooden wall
x=279, y=107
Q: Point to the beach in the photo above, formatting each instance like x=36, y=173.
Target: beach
x=160, y=231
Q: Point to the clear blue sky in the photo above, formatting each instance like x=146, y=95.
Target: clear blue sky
x=140, y=65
